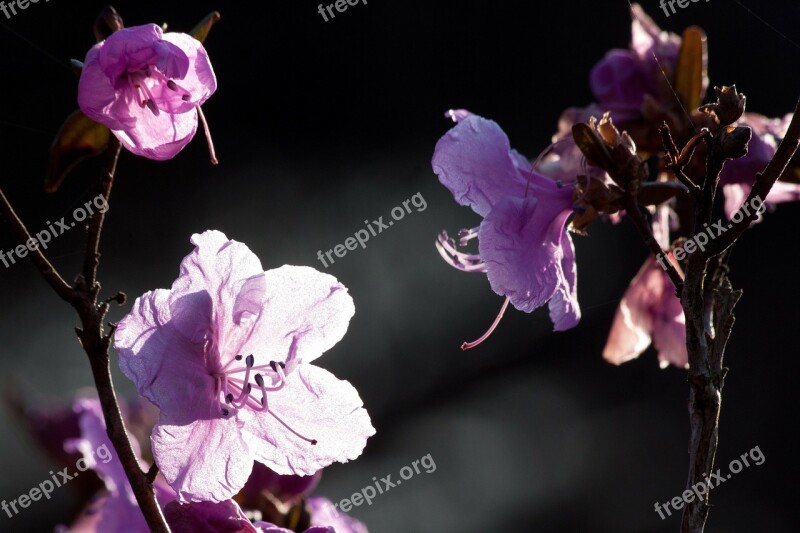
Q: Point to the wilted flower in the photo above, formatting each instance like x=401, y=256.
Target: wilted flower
x=147, y=87
x=649, y=312
x=225, y=354
x=524, y=246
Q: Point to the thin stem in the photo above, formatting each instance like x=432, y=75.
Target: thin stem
x=92, y=257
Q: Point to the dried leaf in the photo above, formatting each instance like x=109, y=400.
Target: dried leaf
x=200, y=32
x=691, y=74
x=79, y=138
x=592, y=146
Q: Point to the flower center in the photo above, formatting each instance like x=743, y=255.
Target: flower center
x=234, y=390
x=138, y=81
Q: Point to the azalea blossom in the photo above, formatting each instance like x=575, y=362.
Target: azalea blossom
x=738, y=175
x=649, y=313
x=523, y=244
x=325, y=518
x=147, y=87
x=623, y=78
x=117, y=509
x=225, y=354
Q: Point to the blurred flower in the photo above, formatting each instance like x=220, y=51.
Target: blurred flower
x=524, y=246
x=288, y=489
x=117, y=510
x=220, y=410
x=738, y=175
x=621, y=80
x=325, y=518
x=649, y=312
x=147, y=88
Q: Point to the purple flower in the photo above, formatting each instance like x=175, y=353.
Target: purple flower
x=649, y=312
x=147, y=88
x=325, y=518
x=621, y=80
x=207, y=517
x=288, y=489
x=117, y=510
x=524, y=247
x=225, y=355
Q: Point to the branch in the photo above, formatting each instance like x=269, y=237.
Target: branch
x=646, y=233
x=45, y=267
x=92, y=258
x=762, y=186
x=95, y=342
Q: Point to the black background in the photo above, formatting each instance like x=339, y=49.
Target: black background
x=321, y=125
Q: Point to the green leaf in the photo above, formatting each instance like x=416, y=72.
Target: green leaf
x=200, y=32
x=691, y=73
x=79, y=138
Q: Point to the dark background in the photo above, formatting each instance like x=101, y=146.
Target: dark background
x=321, y=125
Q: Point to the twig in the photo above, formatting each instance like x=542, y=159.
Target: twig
x=646, y=233
x=43, y=264
x=763, y=185
x=95, y=342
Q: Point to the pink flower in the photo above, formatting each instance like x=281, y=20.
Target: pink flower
x=649, y=312
x=225, y=355
x=147, y=88
x=117, y=509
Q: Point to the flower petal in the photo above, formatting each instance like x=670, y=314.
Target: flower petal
x=316, y=404
x=475, y=161
x=166, y=364
x=96, y=93
x=159, y=137
x=198, y=80
x=323, y=513
x=520, y=242
x=565, y=312
x=208, y=517
x=305, y=313
x=205, y=460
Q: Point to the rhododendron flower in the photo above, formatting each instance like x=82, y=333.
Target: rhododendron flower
x=738, y=175
x=288, y=489
x=147, y=87
x=117, y=510
x=649, y=312
x=621, y=80
x=225, y=354
x=325, y=518
x=524, y=247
